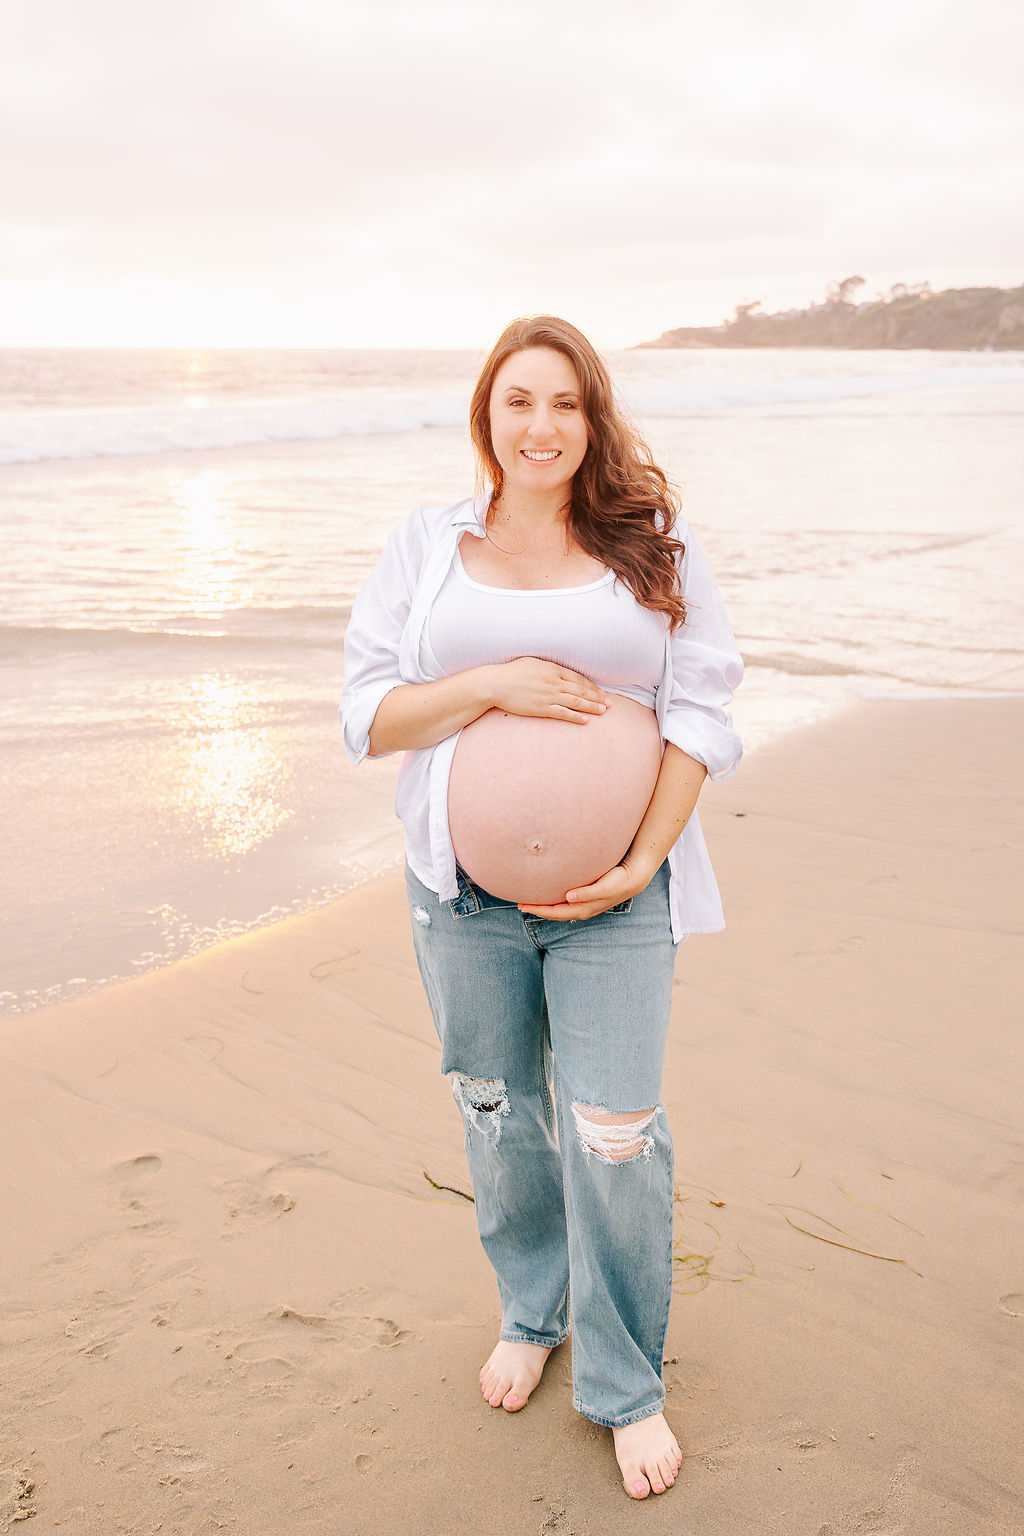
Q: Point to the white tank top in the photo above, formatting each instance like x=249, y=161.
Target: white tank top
x=599, y=630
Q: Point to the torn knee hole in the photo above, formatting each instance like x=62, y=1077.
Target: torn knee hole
x=478, y=1096
x=487, y=1094
x=614, y=1138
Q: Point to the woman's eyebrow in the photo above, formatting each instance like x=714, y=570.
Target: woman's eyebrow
x=563, y=394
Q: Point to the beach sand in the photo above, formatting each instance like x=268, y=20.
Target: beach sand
x=234, y=1298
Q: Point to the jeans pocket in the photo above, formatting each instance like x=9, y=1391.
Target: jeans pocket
x=623, y=906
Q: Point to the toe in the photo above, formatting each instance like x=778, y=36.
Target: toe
x=494, y=1390
x=637, y=1486
x=516, y=1394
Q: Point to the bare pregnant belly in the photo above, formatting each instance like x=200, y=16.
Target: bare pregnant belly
x=537, y=807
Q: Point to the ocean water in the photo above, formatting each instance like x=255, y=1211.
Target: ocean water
x=185, y=533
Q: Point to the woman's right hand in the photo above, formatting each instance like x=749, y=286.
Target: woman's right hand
x=529, y=686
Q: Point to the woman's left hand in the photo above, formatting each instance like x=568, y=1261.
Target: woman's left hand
x=585, y=901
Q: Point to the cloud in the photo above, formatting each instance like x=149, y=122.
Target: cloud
x=486, y=150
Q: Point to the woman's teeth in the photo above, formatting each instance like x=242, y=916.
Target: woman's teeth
x=541, y=457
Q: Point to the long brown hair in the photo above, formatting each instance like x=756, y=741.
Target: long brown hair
x=622, y=510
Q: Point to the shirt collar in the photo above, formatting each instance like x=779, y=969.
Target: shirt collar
x=472, y=513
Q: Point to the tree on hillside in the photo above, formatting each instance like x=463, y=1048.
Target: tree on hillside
x=842, y=293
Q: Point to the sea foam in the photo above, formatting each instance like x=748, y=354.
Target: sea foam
x=34, y=436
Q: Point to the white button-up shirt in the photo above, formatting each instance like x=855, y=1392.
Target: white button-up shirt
x=387, y=644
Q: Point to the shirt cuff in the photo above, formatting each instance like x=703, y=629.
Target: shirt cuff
x=357, y=716
x=711, y=742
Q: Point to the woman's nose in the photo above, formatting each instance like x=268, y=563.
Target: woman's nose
x=542, y=422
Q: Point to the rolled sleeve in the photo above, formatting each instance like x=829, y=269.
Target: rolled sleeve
x=706, y=669
x=372, y=644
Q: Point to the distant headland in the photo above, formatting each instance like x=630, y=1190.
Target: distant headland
x=909, y=315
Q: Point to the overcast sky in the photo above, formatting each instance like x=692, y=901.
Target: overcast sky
x=384, y=173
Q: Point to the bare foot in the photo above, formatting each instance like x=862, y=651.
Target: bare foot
x=511, y=1373
x=648, y=1455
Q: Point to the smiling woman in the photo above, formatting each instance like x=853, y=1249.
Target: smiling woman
x=560, y=705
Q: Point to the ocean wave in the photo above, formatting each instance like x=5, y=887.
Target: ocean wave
x=34, y=436
x=881, y=682
x=277, y=626
x=699, y=396
x=799, y=666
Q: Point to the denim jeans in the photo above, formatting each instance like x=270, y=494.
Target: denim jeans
x=538, y=1019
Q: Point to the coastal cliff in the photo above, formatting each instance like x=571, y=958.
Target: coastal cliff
x=957, y=319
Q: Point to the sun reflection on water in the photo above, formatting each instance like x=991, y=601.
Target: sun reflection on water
x=230, y=781
x=211, y=578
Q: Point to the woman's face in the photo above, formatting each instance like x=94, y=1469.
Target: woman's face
x=537, y=426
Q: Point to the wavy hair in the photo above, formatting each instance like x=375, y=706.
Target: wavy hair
x=622, y=509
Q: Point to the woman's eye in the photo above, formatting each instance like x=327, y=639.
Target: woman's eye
x=568, y=405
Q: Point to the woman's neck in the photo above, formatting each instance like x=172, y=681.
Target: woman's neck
x=535, y=514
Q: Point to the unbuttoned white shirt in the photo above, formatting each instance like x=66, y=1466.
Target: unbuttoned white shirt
x=387, y=644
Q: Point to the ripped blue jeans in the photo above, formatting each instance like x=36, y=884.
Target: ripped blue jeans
x=540, y=1024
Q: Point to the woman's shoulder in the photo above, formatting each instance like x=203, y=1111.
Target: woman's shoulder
x=679, y=529
x=675, y=524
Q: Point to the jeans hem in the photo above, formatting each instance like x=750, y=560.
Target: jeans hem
x=526, y=1336
x=624, y=1419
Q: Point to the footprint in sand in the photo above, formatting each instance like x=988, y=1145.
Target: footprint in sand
x=136, y=1185
x=355, y=1330
x=170, y=1456
x=249, y=1203
x=1012, y=1304
x=281, y=1347
x=888, y=1516
x=252, y=1386
x=246, y=1207
x=285, y=1342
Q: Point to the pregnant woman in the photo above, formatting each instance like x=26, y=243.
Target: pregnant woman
x=553, y=659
